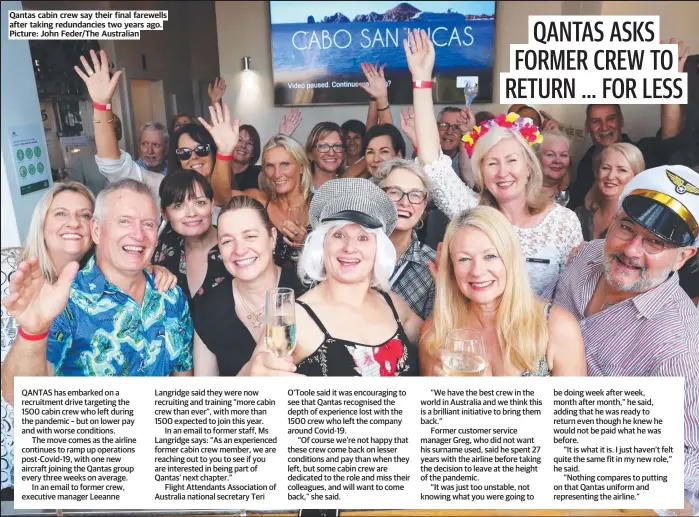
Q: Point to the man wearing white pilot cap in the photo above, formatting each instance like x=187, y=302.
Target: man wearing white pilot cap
x=624, y=291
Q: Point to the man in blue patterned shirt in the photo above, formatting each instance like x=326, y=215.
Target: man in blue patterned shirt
x=111, y=320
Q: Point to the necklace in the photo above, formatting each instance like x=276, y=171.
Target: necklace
x=254, y=314
x=605, y=303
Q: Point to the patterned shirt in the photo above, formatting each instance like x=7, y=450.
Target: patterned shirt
x=654, y=334
x=103, y=331
x=143, y=165
x=411, y=279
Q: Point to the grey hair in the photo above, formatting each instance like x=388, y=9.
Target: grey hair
x=387, y=167
x=155, y=126
x=123, y=184
x=35, y=244
x=311, y=266
x=448, y=109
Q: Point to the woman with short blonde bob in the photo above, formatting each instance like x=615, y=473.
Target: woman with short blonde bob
x=285, y=193
x=614, y=167
x=554, y=157
x=482, y=284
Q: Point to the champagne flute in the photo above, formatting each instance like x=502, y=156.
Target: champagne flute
x=563, y=197
x=464, y=354
x=280, y=321
x=471, y=91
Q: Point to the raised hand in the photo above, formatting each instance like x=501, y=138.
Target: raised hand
x=407, y=124
x=216, y=90
x=549, y=123
x=99, y=85
x=419, y=52
x=224, y=133
x=377, y=86
x=290, y=122
x=293, y=233
x=33, y=302
x=682, y=53
x=466, y=120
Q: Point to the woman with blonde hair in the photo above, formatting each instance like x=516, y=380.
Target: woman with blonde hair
x=614, y=167
x=482, y=284
x=285, y=193
x=506, y=171
x=554, y=157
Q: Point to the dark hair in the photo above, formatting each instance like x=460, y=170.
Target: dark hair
x=180, y=183
x=117, y=126
x=320, y=130
x=588, y=110
x=242, y=202
x=198, y=133
x=173, y=121
x=354, y=126
x=385, y=130
x=482, y=116
x=256, y=144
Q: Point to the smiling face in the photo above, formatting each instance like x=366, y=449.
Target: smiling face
x=191, y=217
x=181, y=121
x=404, y=181
x=282, y=170
x=127, y=236
x=242, y=152
x=479, y=271
x=354, y=145
x=67, y=226
x=152, y=147
x=449, y=138
x=379, y=150
x=202, y=164
x=245, y=244
x=613, y=174
x=604, y=125
x=349, y=254
x=505, y=172
x=329, y=161
x=554, y=157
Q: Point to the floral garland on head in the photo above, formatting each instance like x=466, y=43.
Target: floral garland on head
x=525, y=127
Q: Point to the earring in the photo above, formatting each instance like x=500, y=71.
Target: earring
x=420, y=224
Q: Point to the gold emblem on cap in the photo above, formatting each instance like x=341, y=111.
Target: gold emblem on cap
x=682, y=186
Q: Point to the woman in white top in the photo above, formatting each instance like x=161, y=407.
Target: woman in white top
x=506, y=171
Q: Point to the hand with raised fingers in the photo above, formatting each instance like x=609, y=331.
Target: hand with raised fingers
x=96, y=77
x=377, y=86
x=216, y=90
x=224, y=132
x=466, y=120
x=407, y=124
x=419, y=51
x=290, y=122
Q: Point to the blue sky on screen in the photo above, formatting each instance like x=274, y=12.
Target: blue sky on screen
x=298, y=12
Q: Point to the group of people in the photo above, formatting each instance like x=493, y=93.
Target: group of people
x=105, y=287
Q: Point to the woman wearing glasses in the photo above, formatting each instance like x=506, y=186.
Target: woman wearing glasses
x=326, y=151
x=193, y=146
x=406, y=185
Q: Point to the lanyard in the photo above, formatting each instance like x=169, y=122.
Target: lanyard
x=396, y=275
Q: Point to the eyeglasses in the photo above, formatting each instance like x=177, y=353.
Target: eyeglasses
x=414, y=196
x=624, y=231
x=444, y=126
x=324, y=148
x=185, y=153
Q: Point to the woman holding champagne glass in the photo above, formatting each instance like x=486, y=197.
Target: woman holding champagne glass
x=229, y=319
x=483, y=290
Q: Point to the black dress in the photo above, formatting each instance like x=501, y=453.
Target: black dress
x=219, y=327
x=342, y=358
x=248, y=178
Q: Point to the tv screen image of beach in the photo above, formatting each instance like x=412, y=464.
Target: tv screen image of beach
x=317, y=49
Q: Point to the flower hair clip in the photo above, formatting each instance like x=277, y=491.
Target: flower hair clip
x=525, y=127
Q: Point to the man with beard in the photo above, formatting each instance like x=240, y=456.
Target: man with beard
x=635, y=318
x=152, y=146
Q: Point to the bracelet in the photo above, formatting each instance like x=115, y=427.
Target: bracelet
x=102, y=107
x=384, y=109
x=32, y=337
x=99, y=121
x=415, y=149
x=224, y=157
x=422, y=84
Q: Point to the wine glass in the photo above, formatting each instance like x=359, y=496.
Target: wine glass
x=464, y=354
x=470, y=91
x=280, y=321
x=563, y=197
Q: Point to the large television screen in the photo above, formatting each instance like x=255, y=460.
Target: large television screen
x=317, y=49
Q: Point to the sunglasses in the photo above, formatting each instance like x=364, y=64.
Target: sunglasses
x=185, y=153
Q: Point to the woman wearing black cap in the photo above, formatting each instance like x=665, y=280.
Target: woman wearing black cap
x=349, y=324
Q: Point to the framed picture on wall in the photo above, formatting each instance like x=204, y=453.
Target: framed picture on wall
x=317, y=49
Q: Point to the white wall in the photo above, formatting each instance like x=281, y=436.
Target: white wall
x=243, y=30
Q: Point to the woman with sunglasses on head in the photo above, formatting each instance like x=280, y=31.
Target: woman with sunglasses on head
x=506, y=171
x=213, y=161
x=406, y=185
x=326, y=152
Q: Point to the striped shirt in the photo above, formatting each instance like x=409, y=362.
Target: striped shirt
x=654, y=334
x=411, y=279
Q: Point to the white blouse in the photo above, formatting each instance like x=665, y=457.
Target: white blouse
x=545, y=247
